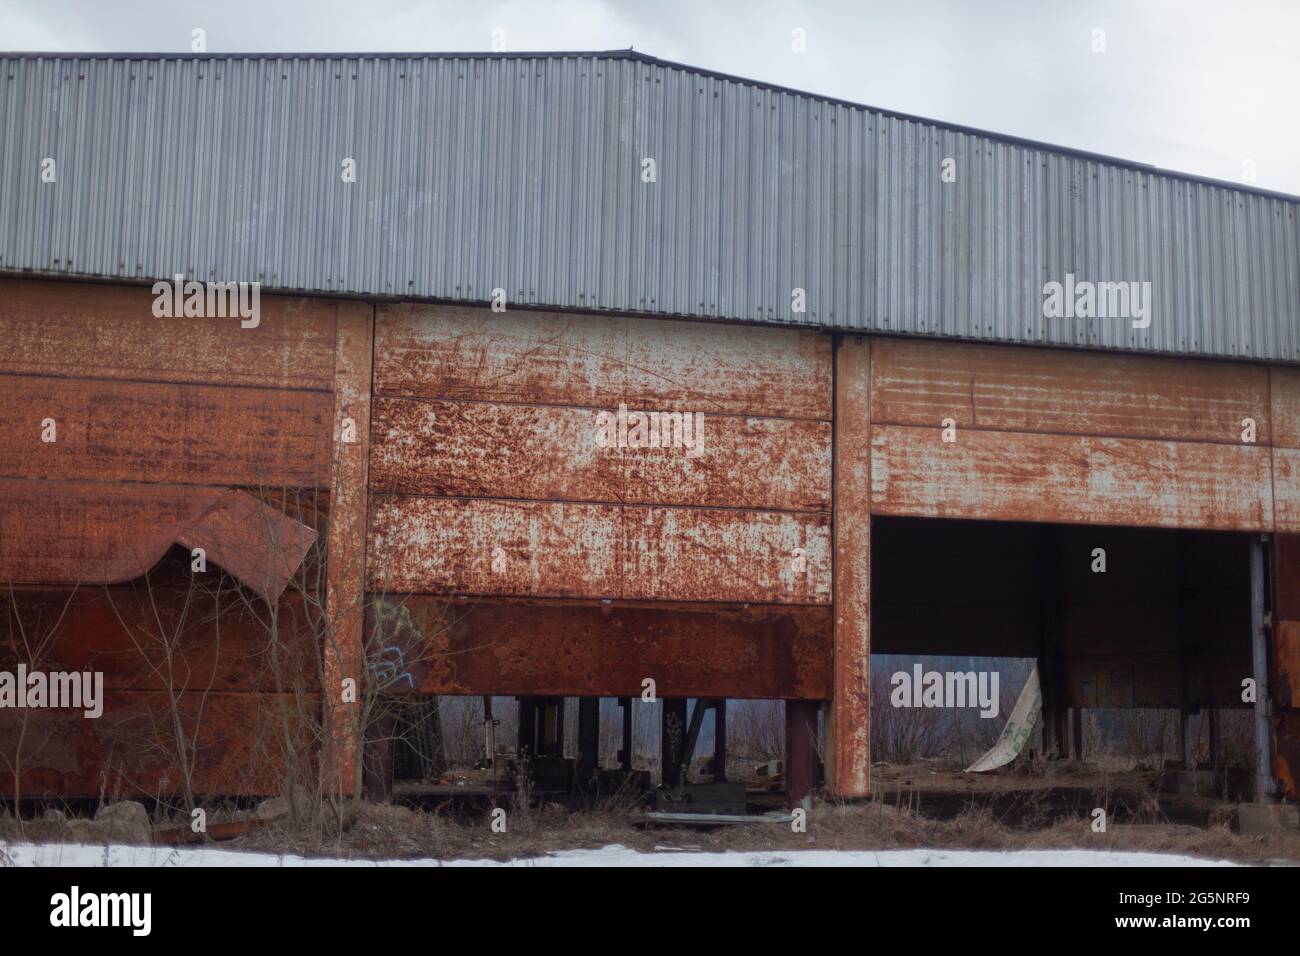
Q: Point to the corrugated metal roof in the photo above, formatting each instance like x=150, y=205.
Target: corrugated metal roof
x=524, y=172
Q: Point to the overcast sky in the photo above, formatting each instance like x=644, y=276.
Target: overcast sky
x=1210, y=87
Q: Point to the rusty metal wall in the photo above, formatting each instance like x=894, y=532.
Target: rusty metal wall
x=1079, y=439
x=168, y=434
x=523, y=173
x=490, y=477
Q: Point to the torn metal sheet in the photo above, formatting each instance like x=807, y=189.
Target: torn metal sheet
x=1021, y=723
x=85, y=533
x=260, y=547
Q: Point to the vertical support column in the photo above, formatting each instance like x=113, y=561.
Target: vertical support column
x=625, y=752
x=720, y=740
x=800, y=752
x=672, y=740
x=489, y=734
x=848, y=763
x=541, y=726
x=345, y=582
x=588, y=734
x=1186, y=706
x=1259, y=668
x=1051, y=655
x=526, y=733
x=1212, y=715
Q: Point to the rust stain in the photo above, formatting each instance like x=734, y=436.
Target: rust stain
x=849, y=723
x=346, y=573
x=103, y=331
x=598, y=361
x=681, y=554
x=592, y=650
x=162, y=433
x=553, y=549
x=480, y=449
x=1042, y=390
x=453, y=545
x=1016, y=476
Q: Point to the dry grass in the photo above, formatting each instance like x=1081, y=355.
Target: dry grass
x=399, y=832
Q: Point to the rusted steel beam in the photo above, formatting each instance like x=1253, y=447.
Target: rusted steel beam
x=1043, y=390
x=492, y=450
x=92, y=330
x=91, y=533
x=1016, y=476
x=598, y=361
x=346, y=573
x=545, y=549
x=162, y=433
x=848, y=769
x=586, y=650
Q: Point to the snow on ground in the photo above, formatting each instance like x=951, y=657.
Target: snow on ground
x=74, y=854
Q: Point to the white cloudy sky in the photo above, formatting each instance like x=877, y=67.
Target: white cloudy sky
x=1201, y=86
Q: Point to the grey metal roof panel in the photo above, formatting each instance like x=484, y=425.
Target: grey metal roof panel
x=524, y=172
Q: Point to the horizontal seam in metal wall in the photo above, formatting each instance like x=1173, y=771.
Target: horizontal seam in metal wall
x=387, y=395
x=1109, y=436
x=384, y=492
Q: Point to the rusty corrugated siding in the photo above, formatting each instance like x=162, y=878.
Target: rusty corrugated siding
x=523, y=173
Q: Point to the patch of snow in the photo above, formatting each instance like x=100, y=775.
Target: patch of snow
x=75, y=854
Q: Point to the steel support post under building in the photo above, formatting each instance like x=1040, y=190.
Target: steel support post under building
x=1264, y=787
x=800, y=752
